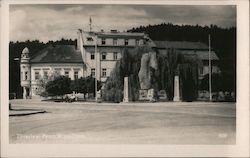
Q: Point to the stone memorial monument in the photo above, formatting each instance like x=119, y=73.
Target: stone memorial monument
x=148, y=64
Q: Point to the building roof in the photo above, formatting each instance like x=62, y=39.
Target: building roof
x=201, y=54
x=58, y=54
x=180, y=45
x=117, y=34
x=188, y=48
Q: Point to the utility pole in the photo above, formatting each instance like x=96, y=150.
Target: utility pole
x=210, y=73
x=96, y=99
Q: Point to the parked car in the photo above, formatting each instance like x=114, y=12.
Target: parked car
x=69, y=98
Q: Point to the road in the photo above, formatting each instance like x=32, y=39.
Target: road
x=134, y=123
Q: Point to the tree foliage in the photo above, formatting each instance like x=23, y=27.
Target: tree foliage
x=220, y=82
x=59, y=86
x=170, y=63
x=127, y=66
x=85, y=85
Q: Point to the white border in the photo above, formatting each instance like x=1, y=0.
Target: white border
x=241, y=149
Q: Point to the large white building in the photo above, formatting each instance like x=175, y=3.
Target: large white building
x=101, y=50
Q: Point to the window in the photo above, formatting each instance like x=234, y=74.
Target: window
x=115, y=55
x=126, y=42
x=36, y=75
x=104, y=72
x=26, y=76
x=103, y=41
x=115, y=42
x=45, y=74
x=104, y=54
x=201, y=71
x=92, y=55
x=76, y=75
x=93, y=72
x=89, y=39
x=58, y=71
x=66, y=73
x=137, y=42
x=21, y=75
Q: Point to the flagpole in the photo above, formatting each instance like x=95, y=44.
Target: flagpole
x=210, y=75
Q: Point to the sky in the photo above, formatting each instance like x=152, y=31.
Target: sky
x=56, y=21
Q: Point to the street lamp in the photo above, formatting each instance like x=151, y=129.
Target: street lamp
x=210, y=66
x=16, y=60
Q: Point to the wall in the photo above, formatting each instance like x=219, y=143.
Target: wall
x=51, y=68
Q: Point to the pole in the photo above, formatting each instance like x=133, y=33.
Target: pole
x=96, y=68
x=210, y=75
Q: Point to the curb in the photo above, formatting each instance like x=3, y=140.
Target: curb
x=30, y=113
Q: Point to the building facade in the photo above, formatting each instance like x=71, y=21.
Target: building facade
x=50, y=62
x=101, y=50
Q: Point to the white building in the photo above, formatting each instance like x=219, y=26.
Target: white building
x=101, y=50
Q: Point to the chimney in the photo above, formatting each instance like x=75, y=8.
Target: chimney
x=113, y=31
x=79, y=39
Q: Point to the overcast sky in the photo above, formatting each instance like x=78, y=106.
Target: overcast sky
x=53, y=22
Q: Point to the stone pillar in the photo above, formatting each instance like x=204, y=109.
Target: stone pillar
x=125, y=92
x=24, y=93
x=176, y=88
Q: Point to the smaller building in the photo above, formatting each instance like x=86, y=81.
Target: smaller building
x=51, y=61
x=197, y=49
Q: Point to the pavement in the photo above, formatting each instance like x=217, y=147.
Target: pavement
x=124, y=123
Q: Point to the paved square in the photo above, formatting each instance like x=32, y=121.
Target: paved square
x=132, y=123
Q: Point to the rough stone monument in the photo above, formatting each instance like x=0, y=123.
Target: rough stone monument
x=146, y=76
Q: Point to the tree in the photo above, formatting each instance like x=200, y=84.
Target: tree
x=127, y=66
x=220, y=82
x=85, y=85
x=59, y=86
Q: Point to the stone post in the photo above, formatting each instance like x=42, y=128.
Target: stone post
x=24, y=93
x=125, y=92
x=176, y=88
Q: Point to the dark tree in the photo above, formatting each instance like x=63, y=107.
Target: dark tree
x=85, y=85
x=59, y=86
